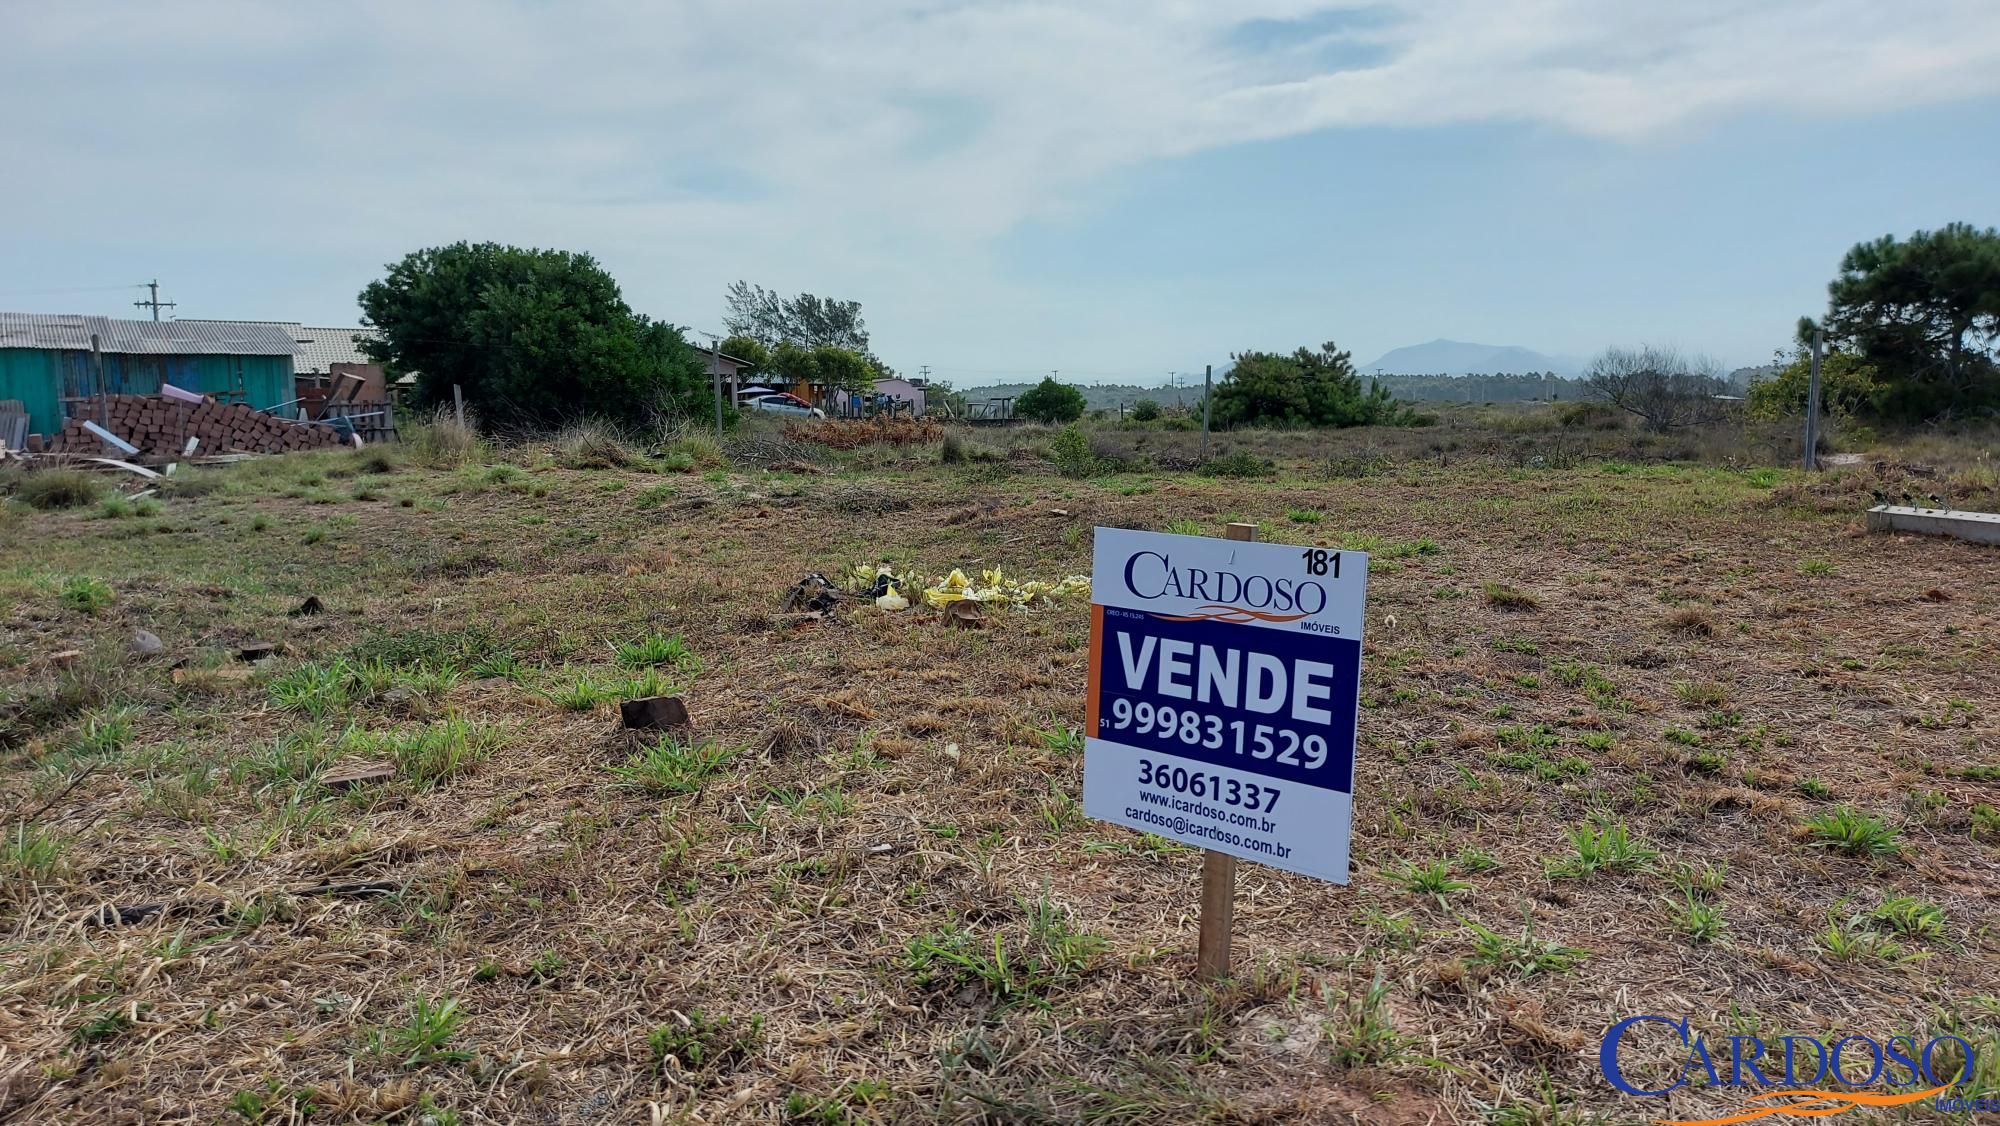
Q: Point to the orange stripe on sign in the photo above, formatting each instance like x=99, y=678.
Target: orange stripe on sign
x=1096, y=667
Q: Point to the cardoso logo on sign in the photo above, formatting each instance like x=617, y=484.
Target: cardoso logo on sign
x=1896, y=1071
x=1226, y=595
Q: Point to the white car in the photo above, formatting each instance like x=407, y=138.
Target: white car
x=780, y=403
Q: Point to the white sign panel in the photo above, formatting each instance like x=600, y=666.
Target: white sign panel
x=1225, y=680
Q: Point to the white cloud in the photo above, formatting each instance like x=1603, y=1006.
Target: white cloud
x=867, y=147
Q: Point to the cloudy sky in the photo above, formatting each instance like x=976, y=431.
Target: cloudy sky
x=1113, y=190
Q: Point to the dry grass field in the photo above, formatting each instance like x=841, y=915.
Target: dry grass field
x=1637, y=739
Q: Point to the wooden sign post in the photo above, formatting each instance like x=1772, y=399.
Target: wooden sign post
x=1218, y=874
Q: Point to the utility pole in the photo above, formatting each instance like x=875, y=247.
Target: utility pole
x=103, y=397
x=1207, y=393
x=715, y=373
x=1810, y=456
x=153, y=301
x=924, y=372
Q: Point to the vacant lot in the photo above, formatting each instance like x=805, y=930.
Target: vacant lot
x=1637, y=740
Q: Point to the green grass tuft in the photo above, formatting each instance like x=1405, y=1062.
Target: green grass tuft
x=85, y=594
x=1855, y=833
x=669, y=767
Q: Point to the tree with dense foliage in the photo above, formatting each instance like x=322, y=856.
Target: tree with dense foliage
x=842, y=368
x=749, y=350
x=1925, y=313
x=1666, y=390
x=1145, y=410
x=808, y=321
x=1310, y=387
x=792, y=363
x=1849, y=387
x=1049, y=401
x=529, y=336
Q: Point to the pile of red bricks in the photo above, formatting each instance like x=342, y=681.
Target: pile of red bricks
x=163, y=426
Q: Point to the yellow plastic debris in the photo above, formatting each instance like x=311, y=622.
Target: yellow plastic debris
x=992, y=587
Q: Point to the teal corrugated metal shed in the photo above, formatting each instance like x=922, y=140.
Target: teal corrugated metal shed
x=45, y=360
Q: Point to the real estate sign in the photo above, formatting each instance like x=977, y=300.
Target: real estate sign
x=1222, y=702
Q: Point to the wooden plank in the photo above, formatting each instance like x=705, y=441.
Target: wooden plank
x=125, y=465
x=111, y=439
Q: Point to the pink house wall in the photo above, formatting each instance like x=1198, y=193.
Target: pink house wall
x=902, y=389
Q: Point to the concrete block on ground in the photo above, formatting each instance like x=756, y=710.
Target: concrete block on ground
x=1973, y=527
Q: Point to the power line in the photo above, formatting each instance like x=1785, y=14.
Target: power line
x=72, y=289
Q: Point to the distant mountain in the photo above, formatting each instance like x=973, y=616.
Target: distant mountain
x=1455, y=357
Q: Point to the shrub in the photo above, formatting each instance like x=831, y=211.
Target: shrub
x=1072, y=454
x=1049, y=401
x=1306, y=388
x=442, y=442
x=50, y=489
x=1588, y=416
x=1849, y=387
x=593, y=443
x=692, y=447
x=1145, y=410
x=958, y=448
x=1242, y=463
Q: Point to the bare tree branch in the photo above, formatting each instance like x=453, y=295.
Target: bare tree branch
x=1666, y=390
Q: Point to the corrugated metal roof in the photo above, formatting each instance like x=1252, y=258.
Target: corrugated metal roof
x=319, y=347
x=72, y=332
